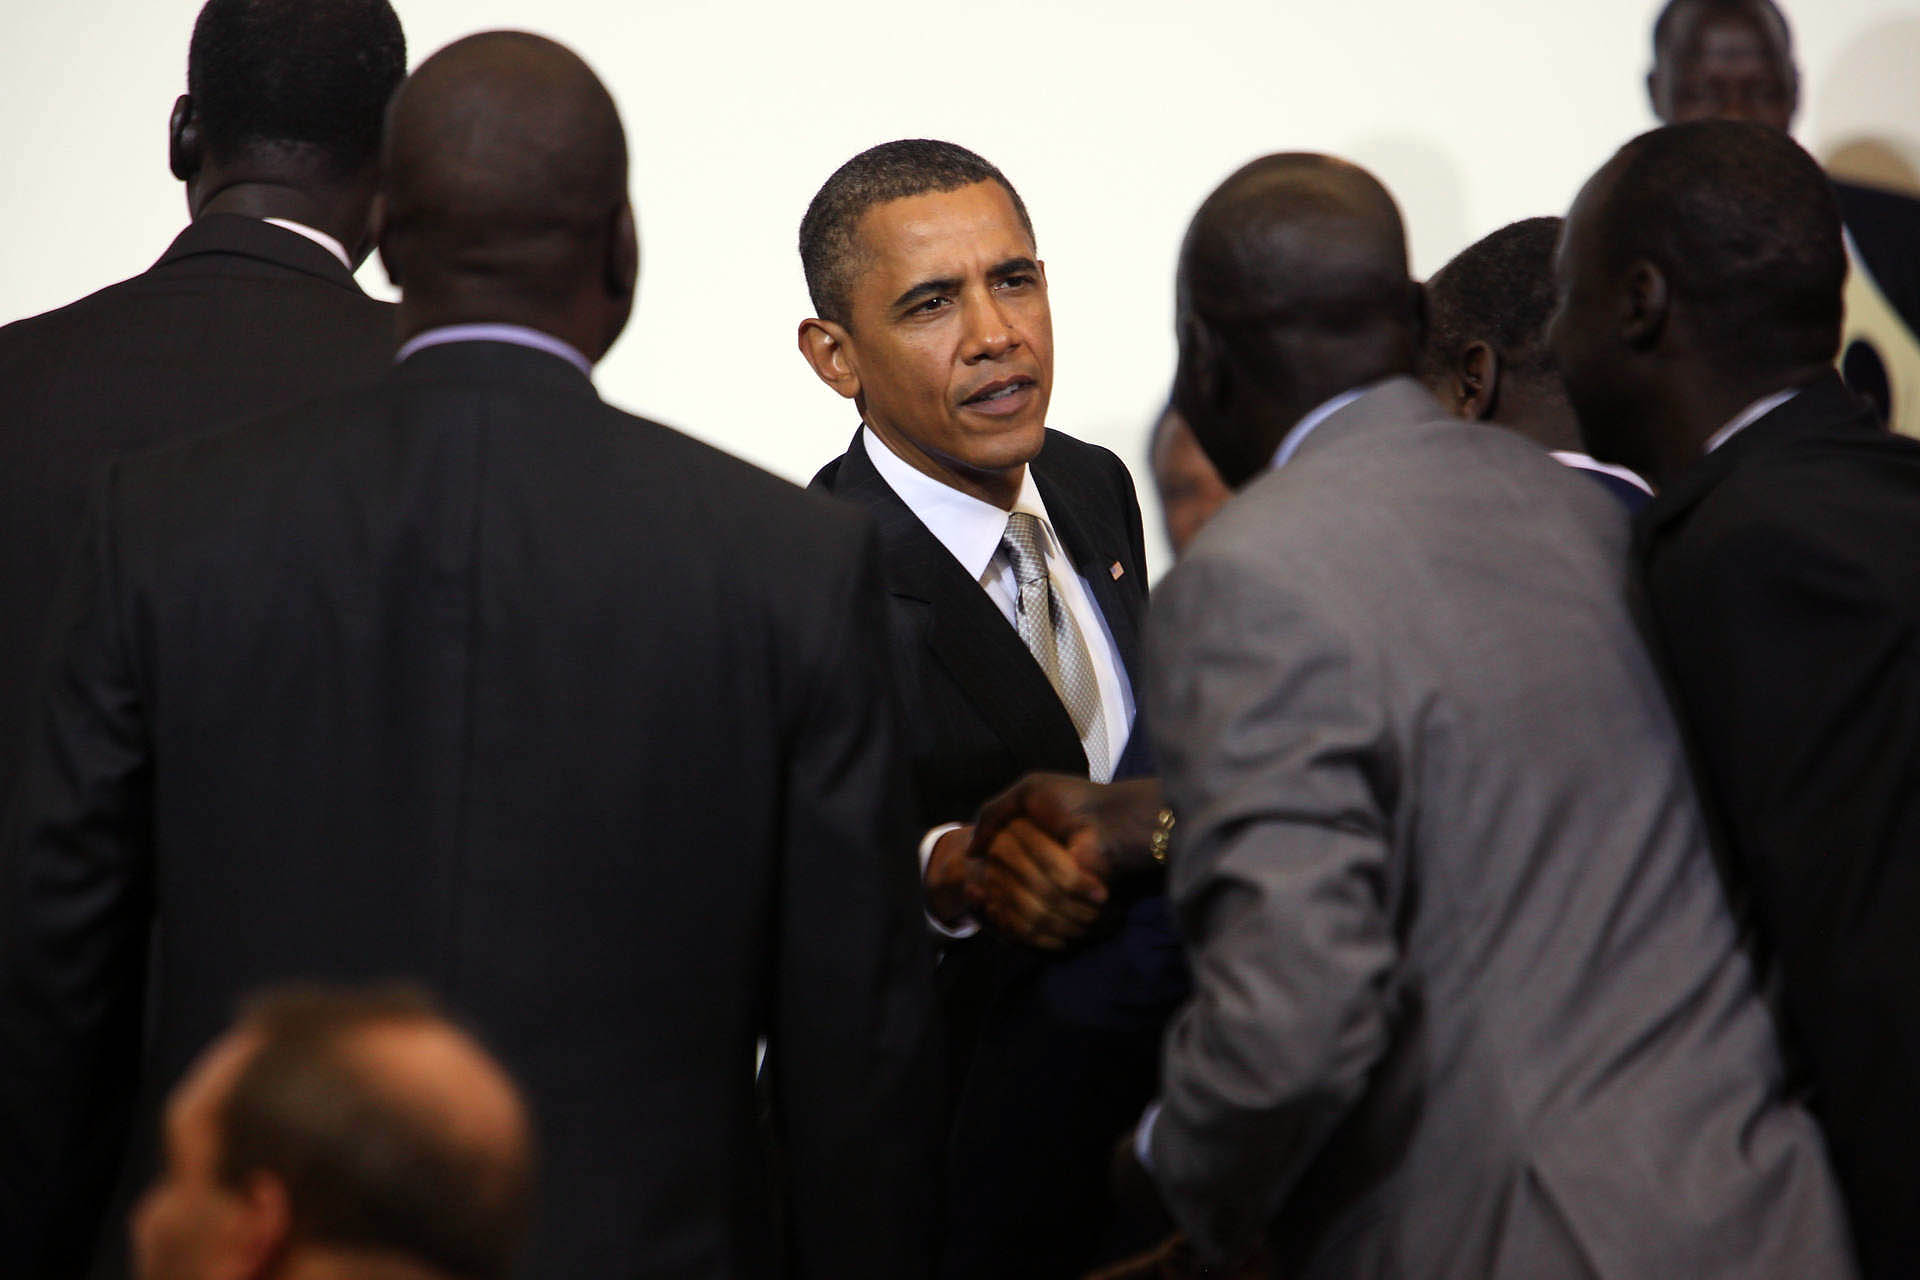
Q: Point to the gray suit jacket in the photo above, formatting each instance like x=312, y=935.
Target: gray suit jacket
x=1469, y=999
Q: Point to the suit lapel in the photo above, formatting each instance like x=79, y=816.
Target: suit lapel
x=964, y=631
x=1095, y=546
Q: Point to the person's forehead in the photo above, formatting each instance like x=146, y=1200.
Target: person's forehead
x=917, y=232
x=1707, y=34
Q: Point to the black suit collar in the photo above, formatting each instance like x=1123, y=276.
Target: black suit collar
x=236, y=234
x=1823, y=408
x=966, y=633
x=486, y=361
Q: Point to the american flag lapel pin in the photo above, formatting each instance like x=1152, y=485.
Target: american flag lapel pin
x=1117, y=571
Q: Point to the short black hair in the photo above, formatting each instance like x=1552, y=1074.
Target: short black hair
x=1745, y=227
x=878, y=175
x=361, y=1169
x=316, y=74
x=1670, y=14
x=1500, y=291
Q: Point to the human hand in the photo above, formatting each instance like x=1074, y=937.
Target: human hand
x=1107, y=828
x=1034, y=891
x=952, y=877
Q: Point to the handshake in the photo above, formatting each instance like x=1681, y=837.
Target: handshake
x=1038, y=861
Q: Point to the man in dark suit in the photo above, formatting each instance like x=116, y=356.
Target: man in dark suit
x=1015, y=586
x=1485, y=353
x=470, y=678
x=252, y=308
x=1700, y=310
x=1733, y=60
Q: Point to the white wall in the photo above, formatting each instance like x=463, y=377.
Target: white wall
x=1113, y=117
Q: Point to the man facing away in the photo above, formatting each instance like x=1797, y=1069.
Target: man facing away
x=1700, y=311
x=1468, y=997
x=472, y=679
x=1486, y=355
x=1733, y=60
x=1015, y=583
x=337, y=1134
x=252, y=308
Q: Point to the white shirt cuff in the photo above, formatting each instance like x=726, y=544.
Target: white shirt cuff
x=968, y=926
x=1143, y=1137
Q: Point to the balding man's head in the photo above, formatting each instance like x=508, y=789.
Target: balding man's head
x=505, y=192
x=332, y=1123
x=1293, y=287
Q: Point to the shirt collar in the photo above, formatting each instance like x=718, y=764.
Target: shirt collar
x=517, y=334
x=319, y=237
x=1291, y=442
x=969, y=528
x=1747, y=417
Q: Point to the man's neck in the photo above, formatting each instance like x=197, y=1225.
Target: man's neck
x=1698, y=409
x=295, y=204
x=999, y=488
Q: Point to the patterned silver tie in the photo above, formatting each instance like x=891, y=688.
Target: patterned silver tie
x=1046, y=626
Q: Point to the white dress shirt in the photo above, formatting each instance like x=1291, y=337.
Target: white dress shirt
x=319, y=237
x=970, y=529
x=1748, y=416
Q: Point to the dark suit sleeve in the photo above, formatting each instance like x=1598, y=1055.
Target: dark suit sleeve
x=1793, y=658
x=75, y=912
x=852, y=1057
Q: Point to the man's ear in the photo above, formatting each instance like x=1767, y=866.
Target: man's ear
x=262, y=1230
x=1202, y=382
x=1653, y=93
x=1476, y=382
x=826, y=346
x=623, y=254
x=1647, y=306
x=186, y=149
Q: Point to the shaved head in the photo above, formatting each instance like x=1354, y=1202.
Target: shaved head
x=506, y=183
x=1293, y=288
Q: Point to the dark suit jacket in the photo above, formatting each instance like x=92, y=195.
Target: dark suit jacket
x=1783, y=577
x=471, y=678
x=1049, y=1058
x=980, y=713
x=238, y=318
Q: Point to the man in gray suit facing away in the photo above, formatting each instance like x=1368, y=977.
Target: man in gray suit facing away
x=1469, y=999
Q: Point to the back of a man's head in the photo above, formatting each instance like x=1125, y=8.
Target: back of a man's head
x=829, y=231
x=308, y=75
x=1486, y=353
x=505, y=191
x=1293, y=287
x=1743, y=225
x=353, y=1125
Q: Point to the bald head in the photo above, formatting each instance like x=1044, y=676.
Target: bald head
x=1293, y=288
x=505, y=191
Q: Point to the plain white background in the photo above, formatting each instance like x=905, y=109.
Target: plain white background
x=1113, y=118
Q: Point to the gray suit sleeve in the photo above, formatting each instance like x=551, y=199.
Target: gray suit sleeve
x=1281, y=774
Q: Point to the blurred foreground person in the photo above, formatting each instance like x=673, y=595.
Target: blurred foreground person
x=1700, y=283
x=1486, y=353
x=472, y=679
x=1469, y=1001
x=340, y=1135
x=1190, y=489
x=252, y=308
